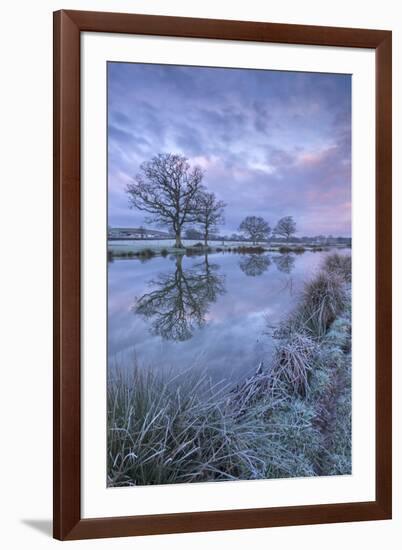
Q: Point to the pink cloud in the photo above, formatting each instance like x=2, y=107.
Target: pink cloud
x=313, y=158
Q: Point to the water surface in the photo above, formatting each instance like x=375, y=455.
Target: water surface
x=213, y=313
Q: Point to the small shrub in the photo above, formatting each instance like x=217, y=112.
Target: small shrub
x=195, y=251
x=146, y=253
x=295, y=249
x=249, y=250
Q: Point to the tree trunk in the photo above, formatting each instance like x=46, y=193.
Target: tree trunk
x=206, y=239
x=178, y=244
x=179, y=264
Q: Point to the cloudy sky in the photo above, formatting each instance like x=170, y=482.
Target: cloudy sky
x=270, y=143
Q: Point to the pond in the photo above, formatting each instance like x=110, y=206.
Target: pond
x=215, y=312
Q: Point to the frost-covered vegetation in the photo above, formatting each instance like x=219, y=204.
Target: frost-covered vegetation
x=291, y=419
x=137, y=248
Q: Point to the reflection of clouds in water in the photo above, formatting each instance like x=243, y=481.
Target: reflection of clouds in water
x=244, y=347
x=232, y=338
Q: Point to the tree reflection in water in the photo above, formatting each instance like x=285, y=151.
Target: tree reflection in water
x=181, y=299
x=254, y=264
x=285, y=262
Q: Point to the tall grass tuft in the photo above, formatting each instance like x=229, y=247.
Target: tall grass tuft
x=170, y=431
x=293, y=362
x=323, y=299
x=339, y=264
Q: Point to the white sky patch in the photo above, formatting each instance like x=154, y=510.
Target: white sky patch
x=205, y=162
x=268, y=169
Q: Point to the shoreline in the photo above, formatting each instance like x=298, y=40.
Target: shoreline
x=132, y=251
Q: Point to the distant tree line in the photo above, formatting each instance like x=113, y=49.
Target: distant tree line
x=171, y=192
x=257, y=229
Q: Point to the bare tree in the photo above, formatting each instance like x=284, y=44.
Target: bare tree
x=209, y=213
x=255, y=228
x=285, y=262
x=254, y=265
x=180, y=301
x=166, y=188
x=286, y=227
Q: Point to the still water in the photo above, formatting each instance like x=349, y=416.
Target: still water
x=213, y=313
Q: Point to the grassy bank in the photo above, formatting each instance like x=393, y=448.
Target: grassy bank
x=137, y=249
x=289, y=420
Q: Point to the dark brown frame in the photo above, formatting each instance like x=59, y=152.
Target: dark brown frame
x=68, y=26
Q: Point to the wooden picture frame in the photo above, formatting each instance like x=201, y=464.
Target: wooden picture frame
x=68, y=26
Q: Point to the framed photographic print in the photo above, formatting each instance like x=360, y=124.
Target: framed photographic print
x=222, y=266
